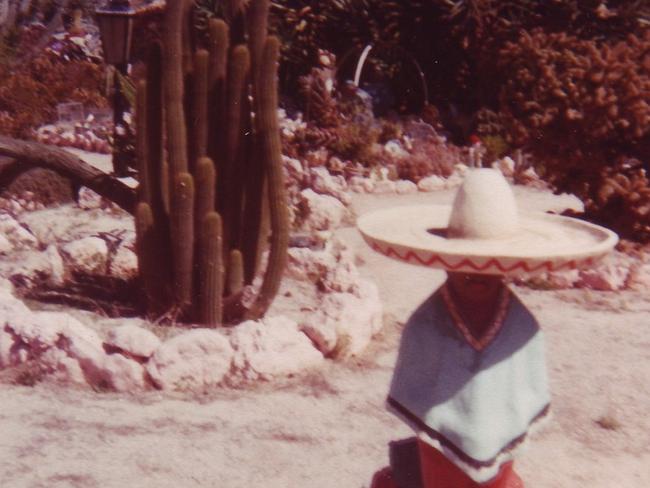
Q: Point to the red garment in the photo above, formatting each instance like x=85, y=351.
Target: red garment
x=439, y=472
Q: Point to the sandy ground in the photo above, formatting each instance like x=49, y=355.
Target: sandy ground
x=328, y=427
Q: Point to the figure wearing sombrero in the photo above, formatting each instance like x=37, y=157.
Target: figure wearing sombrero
x=470, y=376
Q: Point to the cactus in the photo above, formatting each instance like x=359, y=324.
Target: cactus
x=181, y=220
x=210, y=257
x=235, y=272
x=194, y=228
x=270, y=147
x=199, y=108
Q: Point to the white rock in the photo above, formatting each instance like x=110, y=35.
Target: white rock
x=385, y=186
x=395, y=149
x=124, y=263
x=196, y=359
x=432, y=183
x=405, y=186
x=5, y=246
x=321, y=181
x=30, y=270
x=123, y=374
x=557, y=280
x=505, y=165
x=6, y=346
x=610, y=274
x=134, y=340
x=272, y=348
x=57, y=268
x=359, y=184
x=87, y=255
x=639, y=279
x=62, y=367
x=293, y=168
x=322, y=212
x=346, y=322
x=309, y=264
x=343, y=276
x=461, y=169
x=16, y=234
x=88, y=199
x=455, y=179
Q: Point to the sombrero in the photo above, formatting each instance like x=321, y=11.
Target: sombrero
x=483, y=232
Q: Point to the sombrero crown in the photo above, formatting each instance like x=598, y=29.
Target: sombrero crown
x=483, y=232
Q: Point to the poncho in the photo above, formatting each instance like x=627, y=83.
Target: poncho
x=474, y=402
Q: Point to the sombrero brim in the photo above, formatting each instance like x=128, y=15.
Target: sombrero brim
x=544, y=242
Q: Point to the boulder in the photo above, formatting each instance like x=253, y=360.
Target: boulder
x=557, y=280
x=405, y=186
x=31, y=269
x=432, y=183
x=384, y=187
x=639, y=279
x=193, y=360
x=293, y=169
x=88, y=255
x=5, y=246
x=360, y=184
x=395, y=150
x=505, y=165
x=124, y=263
x=133, y=340
x=6, y=348
x=610, y=274
x=124, y=374
x=321, y=181
x=309, y=264
x=272, y=348
x=88, y=199
x=57, y=267
x=345, y=322
x=320, y=212
x=17, y=235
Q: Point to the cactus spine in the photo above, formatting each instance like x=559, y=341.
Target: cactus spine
x=200, y=207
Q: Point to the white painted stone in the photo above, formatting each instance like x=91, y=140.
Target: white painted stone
x=346, y=322
x=455, y=179
x=88, y=199
x=272, y=348
x=505, y=165
x=124, y=374
x=611, y=274
x=6, y=345
x=124, y=263
x=87, y=255
x=322, y=212
x=16, y=234
x=309, y=264
x=5, y=246
x=57, y=268
x=61, y=367
x=394, y=149
x=193, y=360
x=639, y=279
x=134, y=340
x=359, y=184
x=432, y=183
x=384, y=187
x=403, y=187
x=343, y=276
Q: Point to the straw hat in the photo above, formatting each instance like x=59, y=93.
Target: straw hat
x=483, y=232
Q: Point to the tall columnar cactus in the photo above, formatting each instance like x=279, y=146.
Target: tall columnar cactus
x=199, y=221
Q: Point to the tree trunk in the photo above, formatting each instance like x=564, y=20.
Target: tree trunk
x=30, y=154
